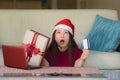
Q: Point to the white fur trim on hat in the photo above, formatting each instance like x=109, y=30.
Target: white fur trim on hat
x=63, y=27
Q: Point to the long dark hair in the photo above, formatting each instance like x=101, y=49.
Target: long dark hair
x=53, y=47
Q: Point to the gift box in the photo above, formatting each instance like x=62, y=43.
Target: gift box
x=35, y=45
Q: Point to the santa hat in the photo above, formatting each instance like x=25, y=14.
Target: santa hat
x=65, y=24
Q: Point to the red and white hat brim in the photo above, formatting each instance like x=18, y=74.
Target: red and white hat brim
x=63, y=27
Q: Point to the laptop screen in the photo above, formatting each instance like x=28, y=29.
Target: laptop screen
x=14, y=56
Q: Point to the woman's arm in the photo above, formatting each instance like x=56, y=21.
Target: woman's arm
x=80, y=62
x=44, y=62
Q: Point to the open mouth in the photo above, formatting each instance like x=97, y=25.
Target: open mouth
x=62, y=41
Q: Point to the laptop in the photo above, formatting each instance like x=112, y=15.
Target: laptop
x=15, y=56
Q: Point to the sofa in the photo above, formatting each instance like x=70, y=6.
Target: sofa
x=14, y=23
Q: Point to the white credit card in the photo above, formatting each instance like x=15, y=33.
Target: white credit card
x=85, y=43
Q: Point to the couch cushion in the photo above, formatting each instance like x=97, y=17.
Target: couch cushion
x=105, y=34
x=103, y=60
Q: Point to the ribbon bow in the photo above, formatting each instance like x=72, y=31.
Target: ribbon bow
x=31, y=49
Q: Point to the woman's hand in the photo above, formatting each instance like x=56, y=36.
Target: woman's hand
x=79, y=62
x=85, y=54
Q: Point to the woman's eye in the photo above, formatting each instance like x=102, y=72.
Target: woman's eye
x=58, y=32
x=66, y=32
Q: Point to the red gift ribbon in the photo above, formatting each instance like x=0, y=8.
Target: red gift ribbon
x=31, y=48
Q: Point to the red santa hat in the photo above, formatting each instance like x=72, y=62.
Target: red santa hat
x=65, y=24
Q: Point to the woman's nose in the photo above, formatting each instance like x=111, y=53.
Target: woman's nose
x=62, y=35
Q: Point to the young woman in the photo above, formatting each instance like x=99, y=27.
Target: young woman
x=63, y=50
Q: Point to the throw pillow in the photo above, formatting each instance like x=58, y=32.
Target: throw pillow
x=104, y=35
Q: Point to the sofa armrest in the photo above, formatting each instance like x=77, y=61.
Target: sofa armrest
x=103, y=60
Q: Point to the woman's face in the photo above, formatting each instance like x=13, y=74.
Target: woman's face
x=62, y=38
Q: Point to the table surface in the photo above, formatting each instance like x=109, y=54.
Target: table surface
x=52, y=73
